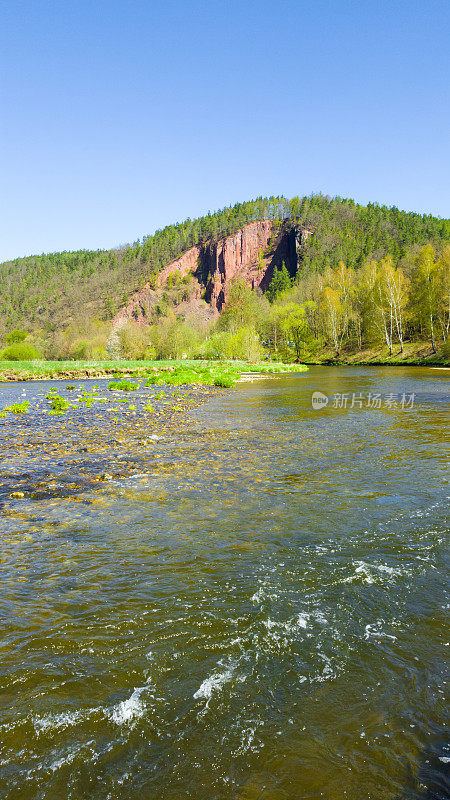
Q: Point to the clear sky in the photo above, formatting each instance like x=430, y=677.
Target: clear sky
x=121, y=117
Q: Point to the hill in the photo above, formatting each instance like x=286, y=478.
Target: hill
x=51, y=291
x=289, y=278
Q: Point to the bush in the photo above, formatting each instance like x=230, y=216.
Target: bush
x=445, y=350
x=224, y=381
x=16, y=336
x=20, y=352
x=59, y=404
x=16, y=408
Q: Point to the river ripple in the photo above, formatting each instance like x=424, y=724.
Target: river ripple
x=252, y=607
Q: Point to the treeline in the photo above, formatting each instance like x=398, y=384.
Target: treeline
x=341, y=311
x=49, y=292
x=383, y=303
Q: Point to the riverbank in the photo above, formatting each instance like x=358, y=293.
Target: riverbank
x=415, y=354
x=72, y=370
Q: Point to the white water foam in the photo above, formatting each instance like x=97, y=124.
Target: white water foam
x=130, y=710
x=364, y=572
x=64, y=720
x=213, y=684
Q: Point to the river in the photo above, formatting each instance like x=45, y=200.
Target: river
x=253, y=606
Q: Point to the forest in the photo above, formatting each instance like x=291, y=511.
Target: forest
x=368, y=276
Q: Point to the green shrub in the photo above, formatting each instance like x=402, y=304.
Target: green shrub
x=59, y=404
x=224, y=381
x=20, y=352
x=123, y=386
x=16, y=336
x=16, y=408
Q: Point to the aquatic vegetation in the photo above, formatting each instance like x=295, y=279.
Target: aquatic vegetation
x=59, y=404
x=207, y=375
x=274, y=368
x=20, y=408
x=69, y=387
x=149, y=407
x=16, y=408
x=123, y=386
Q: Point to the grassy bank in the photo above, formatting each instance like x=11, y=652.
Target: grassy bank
x=188, y=369
x=414, y=354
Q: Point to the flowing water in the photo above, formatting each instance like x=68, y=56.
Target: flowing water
x=251, y=607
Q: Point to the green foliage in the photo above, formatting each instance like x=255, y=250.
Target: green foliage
x=59, y=404
x=172, y=337
x=16, y=336
x=122, y=386
x=280, y=282
x=210, y=375
x=240, y=343
x=20, y=352
x=16, y=408
x=48, y=290
x=224, y=381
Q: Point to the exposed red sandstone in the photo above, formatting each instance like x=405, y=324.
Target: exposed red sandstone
x=214, y=265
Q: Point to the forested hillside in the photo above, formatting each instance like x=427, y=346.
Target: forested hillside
x=52, y=290
x=65, y=302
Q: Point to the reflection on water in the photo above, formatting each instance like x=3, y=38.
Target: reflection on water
x=252, y=607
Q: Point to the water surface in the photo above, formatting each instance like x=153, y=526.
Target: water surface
x=252, y=607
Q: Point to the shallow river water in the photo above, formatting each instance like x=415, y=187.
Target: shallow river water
x=251, y=604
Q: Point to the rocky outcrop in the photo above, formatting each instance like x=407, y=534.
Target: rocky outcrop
x=252, y=253
x=239, y=255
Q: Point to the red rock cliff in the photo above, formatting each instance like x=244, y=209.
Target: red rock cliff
x=213, y=266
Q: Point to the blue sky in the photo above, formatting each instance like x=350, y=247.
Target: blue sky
x=121, y=117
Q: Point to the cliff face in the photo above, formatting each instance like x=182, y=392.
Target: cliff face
x=237, y=255
x=249, y=254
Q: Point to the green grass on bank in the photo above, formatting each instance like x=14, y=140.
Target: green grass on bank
x=217, y=370
x=414, y=354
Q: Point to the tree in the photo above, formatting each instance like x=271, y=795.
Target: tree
x=294, y=207
x=15, y=336
x=334, y=315
x=384, y=306
x=280, y=282
x=443, y=279
x=426, y=287
x=294, y=325
x=394, y=287
x=20, y=352
x=241, y=307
